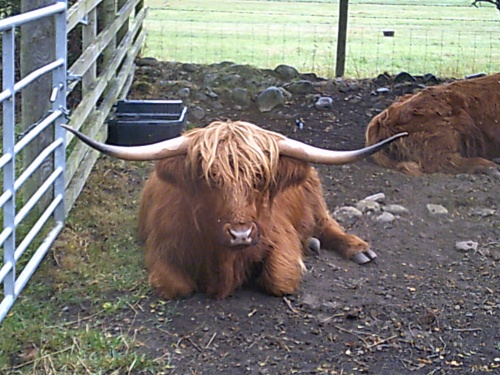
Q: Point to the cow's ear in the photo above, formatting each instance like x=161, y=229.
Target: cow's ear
x=291, y=172
x=172, y=170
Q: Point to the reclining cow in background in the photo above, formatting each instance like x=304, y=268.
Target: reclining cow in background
x=231, y=202
x=453, y=128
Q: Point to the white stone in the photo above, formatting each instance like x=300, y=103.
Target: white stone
x=395, y=209
x=368, y=206
x=466, y=245
x=324, y=103
x=385, y=217
x=436, y=209
x=482, y=212
x=347, y=215
x=375, y=197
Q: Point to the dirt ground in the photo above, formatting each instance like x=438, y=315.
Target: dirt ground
x=423, y=307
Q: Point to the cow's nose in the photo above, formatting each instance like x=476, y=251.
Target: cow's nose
x=242, y=235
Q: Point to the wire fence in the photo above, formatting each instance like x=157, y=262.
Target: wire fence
x=448, y=39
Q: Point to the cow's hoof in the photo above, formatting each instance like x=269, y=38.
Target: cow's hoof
x=364, y=257
x=314, y=245
x=494, y=171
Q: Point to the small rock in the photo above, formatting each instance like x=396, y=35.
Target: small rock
x=494, y=250
x=492, y=171
x=183, y=93
x=375, y=197
x=382, y=90
x=190, y=68
x=404, y=77
x=301, y=87
x=385, y=217
x=147, y=61
x=197, y=112
x=211, y=93
x=342, y=85
x=466, y=246
x=311, y=76
x=241, y=96
x=324, y=103
x=383, y=79
x=436, y=209
x=355, y=86
x=270, y=98
x=354, y=99
x=231, y=79
x=395, y=209
x=314, y=245
x=368, y=206
x=221, y=92
x=483, y=212
x=217, y=105
x=311, y=300
x=495, y=254
x=210, y=78
x=347, y=215
x=199, y=96
x=286, y=72
x=475, y=75
x=430, y=79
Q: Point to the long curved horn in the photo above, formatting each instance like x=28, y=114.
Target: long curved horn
x=156, y=151
x=310, y=154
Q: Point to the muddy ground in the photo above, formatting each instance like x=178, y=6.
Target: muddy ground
x=423, y=307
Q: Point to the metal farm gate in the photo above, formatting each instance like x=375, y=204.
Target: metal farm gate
x=17, y=236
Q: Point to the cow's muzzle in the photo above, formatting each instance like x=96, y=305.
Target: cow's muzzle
x=241, y=234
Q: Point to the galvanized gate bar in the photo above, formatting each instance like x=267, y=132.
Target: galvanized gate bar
x=37, y=227
x=30, y=78
x=28, y=206
x=36, y=163
x=5, y=159
x=12, y=285
x=9, y=209
x=37, y=130
x=51, y=10
x=4, y=198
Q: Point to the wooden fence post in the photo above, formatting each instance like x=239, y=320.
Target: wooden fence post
x=37, y=49
x=89, y=33
x=342, y=38
x=124, y=29
x=106, y=18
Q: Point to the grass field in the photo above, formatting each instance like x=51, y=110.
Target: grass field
x=450, y=38
x=37, y=338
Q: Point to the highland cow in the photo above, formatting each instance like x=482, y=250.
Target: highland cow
x=232, y=202
x=452, y=128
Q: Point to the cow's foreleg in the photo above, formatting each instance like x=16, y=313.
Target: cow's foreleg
x=221, y=280
x=169, y=281
x=283, y=268
x=333, y=237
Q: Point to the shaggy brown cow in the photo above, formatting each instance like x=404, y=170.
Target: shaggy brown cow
x=230, y=202
x=453, y=128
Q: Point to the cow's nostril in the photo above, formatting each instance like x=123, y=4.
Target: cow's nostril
x=240, y=234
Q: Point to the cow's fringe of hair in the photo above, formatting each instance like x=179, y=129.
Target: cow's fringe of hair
x=233, y=154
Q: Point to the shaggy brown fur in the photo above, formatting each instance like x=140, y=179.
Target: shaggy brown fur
x=233, y=153
x=452, y=128
x=232, y=174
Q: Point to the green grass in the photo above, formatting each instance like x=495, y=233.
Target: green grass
x=77, y=314
x=449, y=39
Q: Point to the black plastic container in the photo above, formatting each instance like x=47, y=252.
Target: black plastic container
x=142, y=122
